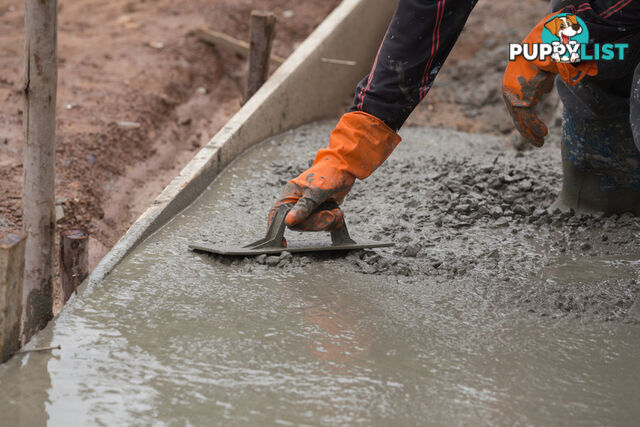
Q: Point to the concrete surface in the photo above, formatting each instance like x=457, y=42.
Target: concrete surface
x=302, y=89
x=481, y=315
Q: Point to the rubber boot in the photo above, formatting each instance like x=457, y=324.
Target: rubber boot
x=600, y=161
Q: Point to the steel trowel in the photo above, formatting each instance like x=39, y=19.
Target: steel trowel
x=273, y=242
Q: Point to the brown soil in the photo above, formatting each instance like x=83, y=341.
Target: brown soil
x=139, y=62
x=131, y=61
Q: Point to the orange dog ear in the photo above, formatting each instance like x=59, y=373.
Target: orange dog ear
x=553, y=26
x=573, y=19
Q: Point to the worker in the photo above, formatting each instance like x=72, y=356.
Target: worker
x=601, y=108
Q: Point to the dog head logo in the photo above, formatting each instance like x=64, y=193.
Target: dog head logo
x=564, y=27
x=565, y=31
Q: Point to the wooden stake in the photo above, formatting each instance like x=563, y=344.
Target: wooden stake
x=39, y=349
x=74, y=261
x=263, y=29
x=11, y=280
x=39, y=120
x=225, y=41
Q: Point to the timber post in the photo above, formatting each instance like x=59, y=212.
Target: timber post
x=263, y=30
x=39, y=122
x=74, y=261
x=11, y=279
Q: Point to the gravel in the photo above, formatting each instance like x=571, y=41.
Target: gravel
x=469, y=212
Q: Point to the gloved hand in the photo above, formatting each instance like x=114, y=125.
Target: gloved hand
x=357, y=146
x=526, y=81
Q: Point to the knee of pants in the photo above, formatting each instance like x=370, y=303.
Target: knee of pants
x=593, y=99
x=603, y=148
x=597, y=136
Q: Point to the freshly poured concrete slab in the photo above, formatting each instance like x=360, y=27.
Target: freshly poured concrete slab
x=280, y=104
x=486, y=323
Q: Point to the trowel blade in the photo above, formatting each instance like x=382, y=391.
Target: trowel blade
x=293, y=247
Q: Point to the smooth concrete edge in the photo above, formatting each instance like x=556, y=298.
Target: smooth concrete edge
x=303, y=89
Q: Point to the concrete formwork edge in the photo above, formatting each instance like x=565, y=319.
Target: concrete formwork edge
x=303, y=89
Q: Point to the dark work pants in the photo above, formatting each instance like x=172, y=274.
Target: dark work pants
x=600, y=144
x=422, y=33
x=419, y=38
x=600, y=127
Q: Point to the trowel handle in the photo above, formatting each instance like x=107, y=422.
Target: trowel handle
x=275, y=232
x=341, y=235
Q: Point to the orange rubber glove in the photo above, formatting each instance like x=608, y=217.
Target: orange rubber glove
x=357, y=146
x=525, y=82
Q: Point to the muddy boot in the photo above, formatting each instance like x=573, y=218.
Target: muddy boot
x=600, y=161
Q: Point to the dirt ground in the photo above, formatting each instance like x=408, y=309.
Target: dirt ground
x=139, y=95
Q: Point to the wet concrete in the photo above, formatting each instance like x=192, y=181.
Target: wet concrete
x=479, y=315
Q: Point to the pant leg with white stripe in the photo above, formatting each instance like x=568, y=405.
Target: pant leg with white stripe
x=418, y=41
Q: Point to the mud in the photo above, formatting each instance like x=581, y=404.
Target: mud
x=492, y=309
x=138, y=95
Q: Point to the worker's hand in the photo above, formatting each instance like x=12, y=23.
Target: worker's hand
x=525, y=82
x=357, y=146
x=520, y=105
x=309, y=191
